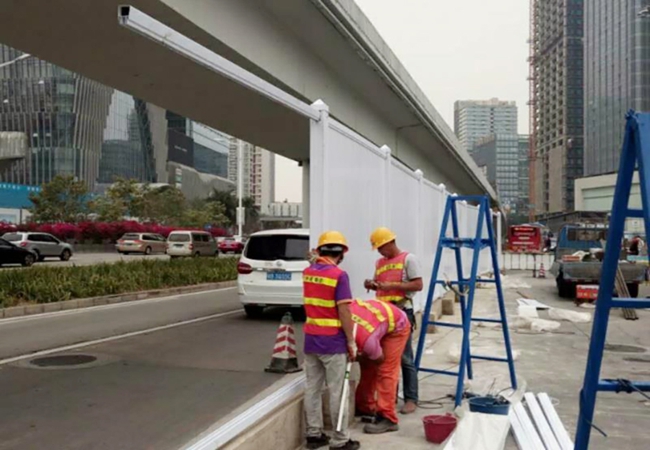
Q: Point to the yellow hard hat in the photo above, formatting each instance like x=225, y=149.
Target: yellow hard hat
x=381, y=236
x=333, y=238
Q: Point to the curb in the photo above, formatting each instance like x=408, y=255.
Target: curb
x=32, y=309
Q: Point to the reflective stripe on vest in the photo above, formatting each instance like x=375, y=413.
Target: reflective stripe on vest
x=380, y=317
x=320, y=302
x=319, y=292
x=323, y=322
x=391, y=271
x=370, y=314
x=315, y=279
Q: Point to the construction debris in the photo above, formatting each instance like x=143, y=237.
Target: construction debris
x=569, y=316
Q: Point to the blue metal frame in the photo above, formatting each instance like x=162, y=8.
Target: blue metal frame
x=636, y=150
x=477, y=243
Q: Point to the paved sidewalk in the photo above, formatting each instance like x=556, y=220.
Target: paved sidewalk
x=550, y=362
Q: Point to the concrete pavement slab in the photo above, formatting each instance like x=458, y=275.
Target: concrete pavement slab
x=548, y=362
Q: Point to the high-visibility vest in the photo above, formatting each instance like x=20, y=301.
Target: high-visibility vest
x=319, y=291
x=369, y=314
x=391, y=270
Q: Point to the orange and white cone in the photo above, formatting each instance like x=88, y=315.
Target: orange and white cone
x=542, y=271
x=284, y=359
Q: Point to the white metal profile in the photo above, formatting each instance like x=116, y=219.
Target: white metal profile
x=145, y=25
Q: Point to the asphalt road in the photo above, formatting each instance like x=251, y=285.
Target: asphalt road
x=154, y=390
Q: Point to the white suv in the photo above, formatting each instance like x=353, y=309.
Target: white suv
x=270, y=270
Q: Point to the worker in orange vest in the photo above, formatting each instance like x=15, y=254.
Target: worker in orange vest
x=397, y=279
x=382, y=333
x=329, y=339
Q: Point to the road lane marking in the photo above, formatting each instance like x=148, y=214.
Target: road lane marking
x=118, y=337
x=89, y=309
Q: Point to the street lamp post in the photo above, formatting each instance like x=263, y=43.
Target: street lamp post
x=240, y=187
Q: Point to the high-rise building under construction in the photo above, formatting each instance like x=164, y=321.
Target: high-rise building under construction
x=556, y=77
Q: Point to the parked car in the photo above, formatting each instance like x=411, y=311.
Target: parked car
x=12, y=254
x=42, y=245
x=145, y=243
x=231, y=245
x=191, y=243
x=270, y=270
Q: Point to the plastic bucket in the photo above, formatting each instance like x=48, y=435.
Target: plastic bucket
x=438, y=428
x=489, y=405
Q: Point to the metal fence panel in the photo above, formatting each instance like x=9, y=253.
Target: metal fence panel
x=356, y=187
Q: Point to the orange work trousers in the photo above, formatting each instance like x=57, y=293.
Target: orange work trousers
x=377, y=390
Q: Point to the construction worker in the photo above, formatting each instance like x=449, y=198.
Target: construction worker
x=382, y=333
x=397, y=279
x=329, y=339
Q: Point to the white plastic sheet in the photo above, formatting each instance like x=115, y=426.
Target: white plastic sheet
x=480, y=432
x=355, y=187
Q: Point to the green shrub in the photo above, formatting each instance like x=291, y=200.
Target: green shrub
x=54, y=284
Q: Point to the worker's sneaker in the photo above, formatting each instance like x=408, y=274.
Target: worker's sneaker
x=409, y=407
x=349, y=445
x=381, y=426
x=318, y=441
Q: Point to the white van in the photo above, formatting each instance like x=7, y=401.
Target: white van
x=270, y=269
x=191, y=243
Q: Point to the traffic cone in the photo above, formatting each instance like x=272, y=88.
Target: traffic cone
x=284, y=358
x=542, y=271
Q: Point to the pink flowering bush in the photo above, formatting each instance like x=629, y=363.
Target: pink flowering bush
x=97, y=232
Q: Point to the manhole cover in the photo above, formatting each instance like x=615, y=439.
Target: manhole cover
x=617, y=348
x=641, y=359
x=63, y=360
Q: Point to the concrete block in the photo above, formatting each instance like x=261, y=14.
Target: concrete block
x=52, y=307
x=98, y=301
x=33, y=309
x=281, y=430
x=85, y=302
x=14, y=311
x=447, y=306
x=69, y=304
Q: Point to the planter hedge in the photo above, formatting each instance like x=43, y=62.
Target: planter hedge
x=54, y=284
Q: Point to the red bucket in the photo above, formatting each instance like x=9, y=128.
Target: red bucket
x=438, y=428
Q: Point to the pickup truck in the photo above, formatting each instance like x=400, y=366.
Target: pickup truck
x=570, y=271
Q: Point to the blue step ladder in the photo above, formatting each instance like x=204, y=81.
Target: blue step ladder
x=636, y=153
x=467, y=287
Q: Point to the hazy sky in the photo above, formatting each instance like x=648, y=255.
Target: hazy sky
x=455, y=50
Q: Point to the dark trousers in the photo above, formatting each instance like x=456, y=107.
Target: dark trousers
x=409, y=372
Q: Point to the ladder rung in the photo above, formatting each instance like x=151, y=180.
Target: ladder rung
x=447, y=324
x=486, y=280
x=489, y=358
x=468, y=198
x=615, y=386
x=635, y=213
x=441, y=372
x=631, y=303
x=465, y=240
x=480, y=319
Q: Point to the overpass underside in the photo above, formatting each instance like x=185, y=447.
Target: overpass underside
x=308, y=49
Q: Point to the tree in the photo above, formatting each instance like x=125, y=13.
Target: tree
x=124, y=198
x=204, y=213
x=229, y=202
x=61, y=200
x=165, y=205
